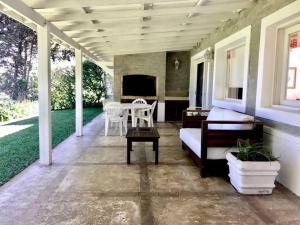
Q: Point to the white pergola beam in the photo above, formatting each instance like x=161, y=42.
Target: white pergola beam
x=78, y=92
x=151, y=32
x=22, y=9
x=141, y=45
x=55, y=4
x=44, y=82
x=140, y=51
x=17, y=17
x=90, y=42
x=112, y=15
x=154, y=41
x=148, y=49
x=156, y=22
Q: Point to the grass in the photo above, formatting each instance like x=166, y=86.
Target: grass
x=20, y=149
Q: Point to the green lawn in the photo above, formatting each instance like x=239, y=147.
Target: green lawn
x=18, y=150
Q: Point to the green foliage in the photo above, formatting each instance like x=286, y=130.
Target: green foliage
x=63, y=86
x=10, y=109
x=63, y=89
x=60, y=53
x=20, y=149
x=253, y=152
x=94, y=83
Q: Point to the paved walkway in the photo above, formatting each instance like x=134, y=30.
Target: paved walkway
x=90, y=183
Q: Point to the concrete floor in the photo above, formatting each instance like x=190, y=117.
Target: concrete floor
x=90, y=183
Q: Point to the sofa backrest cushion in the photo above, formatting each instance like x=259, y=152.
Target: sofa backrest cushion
x=228, y=115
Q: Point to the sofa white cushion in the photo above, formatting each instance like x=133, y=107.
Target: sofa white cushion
x=228, y=115
x=192, y=138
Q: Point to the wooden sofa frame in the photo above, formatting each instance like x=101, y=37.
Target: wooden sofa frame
x=217, y=138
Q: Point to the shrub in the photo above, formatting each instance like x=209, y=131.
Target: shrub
x=94, y=84
x=10, y=109
x=63, y=89
x=63, y=86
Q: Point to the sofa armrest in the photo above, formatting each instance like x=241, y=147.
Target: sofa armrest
x=194, y=118
x=228, y=138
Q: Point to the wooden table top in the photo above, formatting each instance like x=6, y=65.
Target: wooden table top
x=142, y=132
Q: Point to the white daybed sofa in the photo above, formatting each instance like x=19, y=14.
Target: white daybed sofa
x=209, y=135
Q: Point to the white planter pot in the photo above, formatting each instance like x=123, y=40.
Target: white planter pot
x=252, y=177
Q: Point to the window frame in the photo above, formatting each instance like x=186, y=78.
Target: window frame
x=220, y=84
x=269, y=85
x=283, y=41
x=228, y=75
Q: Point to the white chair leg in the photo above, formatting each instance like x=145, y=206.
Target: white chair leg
x=125, y=126
x=142, y=123
x=121, y=128
x=106, y=126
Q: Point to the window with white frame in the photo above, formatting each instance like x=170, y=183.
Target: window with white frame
x=278, y=86
x=235, y=72
x=231, y=71
x=288, y=77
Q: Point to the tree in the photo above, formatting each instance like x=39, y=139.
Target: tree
x=94, y=85
x=18, y=51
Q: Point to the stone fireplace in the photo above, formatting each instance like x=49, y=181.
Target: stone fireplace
x=138, y=85
x=159, y=69
x=152, y=65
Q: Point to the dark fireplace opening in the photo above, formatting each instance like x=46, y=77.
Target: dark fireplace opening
x=139, y=85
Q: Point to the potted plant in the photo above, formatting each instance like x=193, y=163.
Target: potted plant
x=253, y=169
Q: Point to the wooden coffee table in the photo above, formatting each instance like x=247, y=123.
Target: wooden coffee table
x=142, y=134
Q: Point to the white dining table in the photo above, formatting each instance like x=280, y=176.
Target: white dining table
x=133, y=108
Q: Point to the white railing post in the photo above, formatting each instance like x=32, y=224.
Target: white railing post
x=78, y=92
x=44, y=82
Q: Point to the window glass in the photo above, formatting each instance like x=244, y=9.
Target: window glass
x=293, y=77
x=235, y=72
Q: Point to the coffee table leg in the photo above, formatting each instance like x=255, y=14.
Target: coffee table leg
x=155, y=148
x=129, y=148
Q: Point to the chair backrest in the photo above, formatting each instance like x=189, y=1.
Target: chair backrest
x=139, y=101
x=153, y=107
x=113, y=110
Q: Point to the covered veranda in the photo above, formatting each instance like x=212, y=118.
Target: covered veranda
x=89, y=182
x=100, y=30
x=85, y=180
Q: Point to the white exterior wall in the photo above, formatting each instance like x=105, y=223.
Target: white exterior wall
x=286, y=147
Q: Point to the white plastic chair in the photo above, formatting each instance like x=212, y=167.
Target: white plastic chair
x=147, y=115
x=114, y=113
x=137, y=101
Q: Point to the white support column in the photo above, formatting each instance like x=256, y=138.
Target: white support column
x=78, y=92
x=44, y=81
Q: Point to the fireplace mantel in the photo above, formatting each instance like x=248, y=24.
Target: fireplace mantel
x=143, y=97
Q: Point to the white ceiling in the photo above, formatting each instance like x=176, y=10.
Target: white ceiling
x=115, y=27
